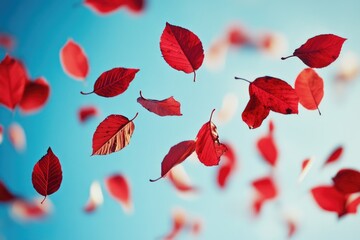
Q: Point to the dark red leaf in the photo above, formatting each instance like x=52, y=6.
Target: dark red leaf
x=5, y=194
x=119, y=188
x=113, y=82
x=136, y=6
x=334, y=156
x=13, y=78
x=112, y=134
x=181, y=49
x=329, y=199
x=87, y=112
x=35, y=95
x=265, y=187
x=74, y=60
x=176, y=155
x=7, y=41
x=47, y=174
x=254, y=113
x=208, y=147
x=166, y=107
x=319, y=51
x=347, y=181
x=268, y=150
x=309, y=86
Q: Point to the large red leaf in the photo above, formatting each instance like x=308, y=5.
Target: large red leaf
x=35, y=95
x=267, y=148
x=109, y=6
x=309, y=86
x=208, y=147
x=181, y=49
x=5, y=194
x=265, y=187
x=119, y=188
x=319, y=51
x=74, y=60
x=347, y=181
x=166, y=107
x=113, y=82
x=254, y=113
x=329, y=199
x=12, y=82
x=112, y=134
x=335, y=155
x=176, y=155
x=87, y=112
x=47, y=174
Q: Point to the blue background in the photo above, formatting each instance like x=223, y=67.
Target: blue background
x=41, y=28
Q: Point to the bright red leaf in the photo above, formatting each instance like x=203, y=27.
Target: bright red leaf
x=267, y=148
x=109, y=6
x=335, y=155
x=238, y=36
x=119, y=188
x=13, y=78
x=5, y=194
x=176, y=155
x=87, y=112
x=254, y=113
x=347, y=181
x=208, y=147
x=227, y=168
x=74, y=60
x=35, y=95
x=265, y=187
x=47, y=174
x=112, y=134
x=113, y=82
x=319, y=51
x=166, y=107
x=181, y=49
x=329, y=199
x=30, y=210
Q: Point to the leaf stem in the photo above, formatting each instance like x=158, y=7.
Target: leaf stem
x=212, y=112
x=283, y=58
x=319, y=111
x=134, y=117
x=141, y=95
x=43, y=199
x=84, y=93
x=239, y=78
x=154, y=180
x=194, y=75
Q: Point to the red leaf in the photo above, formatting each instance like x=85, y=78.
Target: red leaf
x=309, y=86
x=329, y=199
x=334, y=156
x=166, y=107
x=352, y=205
x=180, y=180
x=208, y=147
x=305, y=167
x=238, y=36
x=109, y=6
x=112, y=134
x=113, y=82
x=87, y=112
x=319, y=51
x=179, y=223
x=265, y=187
x=257, y=205
x=95, y=198
x=35, y=95
x=17, y=137
x=6, y=41
x=47, y=174
x=181, y=49
x=12, y=82
x=254, y=113
x=291, y=227
x=74, y=60
x=176, y=155
x=136, y=6
x=5, y=194
x=30, y=210
x=226, y=169
x=347, y=181
x=268, y=150
x=119, y=188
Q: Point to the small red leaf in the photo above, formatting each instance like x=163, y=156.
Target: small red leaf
x=35, y=95
x=305, y=167
x=13, y=78
x=329, y=199
x=334, y=156
x=112, y=134
x=119, y=188
x=319, y=51
x=47, y=174
x=292, y=226
x=113, y=82
x=254, y=113
x=5, y=194
x=268, y=150
x=265, y=187
x=181, y=49
x=309, y=86
x=7, y=41
x=347, y=181
x=208, y=147
x=17, y=137
x=176, y=155
x=179, y=223
x=87, y=112
x=166, y=107
x=74, y=60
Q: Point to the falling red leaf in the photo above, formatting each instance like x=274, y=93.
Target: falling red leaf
x=176, y=155
x=13, y=78
x=179, y=223
x=309, y=86
x=334, y=156
x=352, y=204
x=119, y=188
x=74, y=60
x=7, y=41
x=319, y=51
x=95, y=198
x=17, y=137
x=257, y=205
x=109, y=6
x=267, y=148
x=47, y=174
x=196, y=227
x=5, y=195
x=30, y=210
x=347, y=181
x=112, y=134
x=180, y=180
x=265, y=187
x=181, y=49
x=305, y=167
x=254, y=113
x=113, y=82
x=208, y=147
x=35, y=95
x=226, y=169
x=237, y=36
x=166, y=107
x=136, y=6
x=292, y=226
x=329, y=199
x=87, y=112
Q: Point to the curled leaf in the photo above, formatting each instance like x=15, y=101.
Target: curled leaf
x=166, y=107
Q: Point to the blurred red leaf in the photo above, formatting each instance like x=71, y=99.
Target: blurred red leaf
x=112, y=134
x=30, y=210
x=179, y=223
x=291, y=227
x=109, y=6
x=119, y=188
x=87, y=112
x=47, y=174
x=352, y=205
x=267, y=148
x=5, y=194
x=329, y=199
x=35, y=95
x=74, y=60
x=180, y=180
x=181, y=49
x=237, y=36
x=347, y=181
x=319, y=51
x=95, y=198
x=166, y=107
x=227, y=168
x=334, y=156
x=265, y=187
x=7, y=41
x=17, y=137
